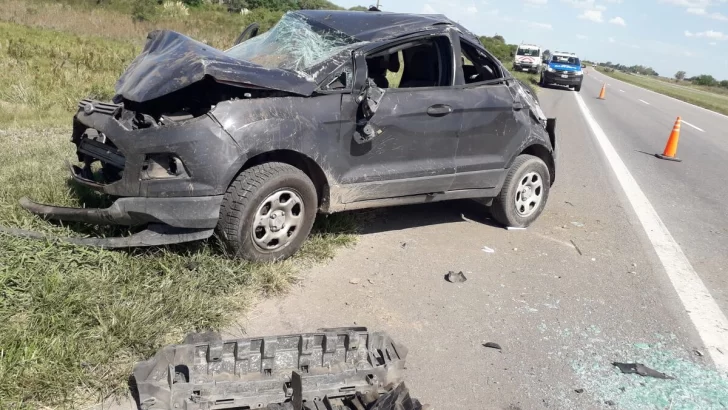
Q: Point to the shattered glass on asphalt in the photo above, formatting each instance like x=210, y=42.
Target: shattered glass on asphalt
x=294, y=43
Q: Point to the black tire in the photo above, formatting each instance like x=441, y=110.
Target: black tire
x=541, y=81
x=577, y=88
x=504, y=208
x=250, y=191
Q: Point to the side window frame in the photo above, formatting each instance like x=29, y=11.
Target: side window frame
x=360, y=64
x=500, y=72
x=335, y=74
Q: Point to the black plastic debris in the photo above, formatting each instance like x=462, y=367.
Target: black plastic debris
x=640, y=369
x=492, y=345
x=455, y=277
x=610, y=403
x=579, y=391
x=332, y=369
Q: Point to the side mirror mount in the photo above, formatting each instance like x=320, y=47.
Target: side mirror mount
x=368, y=100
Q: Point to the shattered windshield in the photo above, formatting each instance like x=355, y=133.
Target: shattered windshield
x=294, y=43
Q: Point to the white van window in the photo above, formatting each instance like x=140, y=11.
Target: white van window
x=531, y=52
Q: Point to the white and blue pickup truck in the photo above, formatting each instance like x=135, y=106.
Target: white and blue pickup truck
x=562, y=68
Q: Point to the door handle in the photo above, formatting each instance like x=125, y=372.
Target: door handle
x=517, y=106
x=439, y=110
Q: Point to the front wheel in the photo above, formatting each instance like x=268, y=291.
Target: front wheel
x=524, y=192
x=541, y=81
x=267, y=212
x=577, y=88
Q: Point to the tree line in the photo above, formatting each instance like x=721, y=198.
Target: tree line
x=702, y=79
x=635, y=69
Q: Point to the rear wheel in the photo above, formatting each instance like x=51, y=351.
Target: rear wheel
x=524, y=192
x=267, y=212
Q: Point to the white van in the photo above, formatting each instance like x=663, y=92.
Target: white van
x=527, y=58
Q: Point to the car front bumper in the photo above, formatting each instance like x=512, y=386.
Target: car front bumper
x=204, y=150
x=557, y=78
x=182, y=212
x=173, y=207
x=525, y=67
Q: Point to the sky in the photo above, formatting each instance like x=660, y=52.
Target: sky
x=667, y=35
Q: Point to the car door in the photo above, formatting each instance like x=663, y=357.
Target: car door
x=491, y=120
x=416, y=125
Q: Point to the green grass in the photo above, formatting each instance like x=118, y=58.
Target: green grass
x=713, y=101
x=74, y=320
x=43, y=73
x=528, y=78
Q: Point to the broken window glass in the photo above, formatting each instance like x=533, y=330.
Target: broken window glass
x=294, y=43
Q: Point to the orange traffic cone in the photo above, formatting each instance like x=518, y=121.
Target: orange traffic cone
x=671, y=147
x=604, y=90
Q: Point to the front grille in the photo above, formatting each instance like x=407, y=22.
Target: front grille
x=103, y=152
x=569, y=73
x=100, y=107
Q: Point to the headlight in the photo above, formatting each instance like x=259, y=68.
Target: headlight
x=579, y=72
x=549, y=69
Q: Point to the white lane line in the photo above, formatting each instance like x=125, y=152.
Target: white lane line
x=710, y=322
x=687, y=123
x=644, y=102
x=672, y=98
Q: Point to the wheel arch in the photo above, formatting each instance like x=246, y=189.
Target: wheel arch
x=544, y=154
x=299, y=160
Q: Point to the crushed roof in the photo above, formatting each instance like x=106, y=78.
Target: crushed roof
x=377, y=25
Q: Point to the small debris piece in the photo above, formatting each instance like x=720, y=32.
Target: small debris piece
x=632, y=272
x=192, y=265
x=579, y=390
x=403, y=245
x=488, y=250
x=515, y=249
x=515, y=228
x=578, y=224
x=354, y=281
x=576, y=247
x=642, y=370
x=610, y=403
x=370, y=281
x=492, y=345
x=567, y=202
x=594, y=259
x=698, y=353
x=455, y=277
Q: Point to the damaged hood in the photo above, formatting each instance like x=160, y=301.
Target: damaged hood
x=171, y=61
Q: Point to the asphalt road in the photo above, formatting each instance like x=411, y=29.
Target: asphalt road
x=582, y=288
x=691, y=197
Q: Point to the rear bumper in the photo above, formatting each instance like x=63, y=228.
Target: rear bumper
x=181, y=212
x=551, y=78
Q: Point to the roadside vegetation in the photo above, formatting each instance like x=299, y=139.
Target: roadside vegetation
x=710, y=97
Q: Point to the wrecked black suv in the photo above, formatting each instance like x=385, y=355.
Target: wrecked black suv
x=328, y=111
